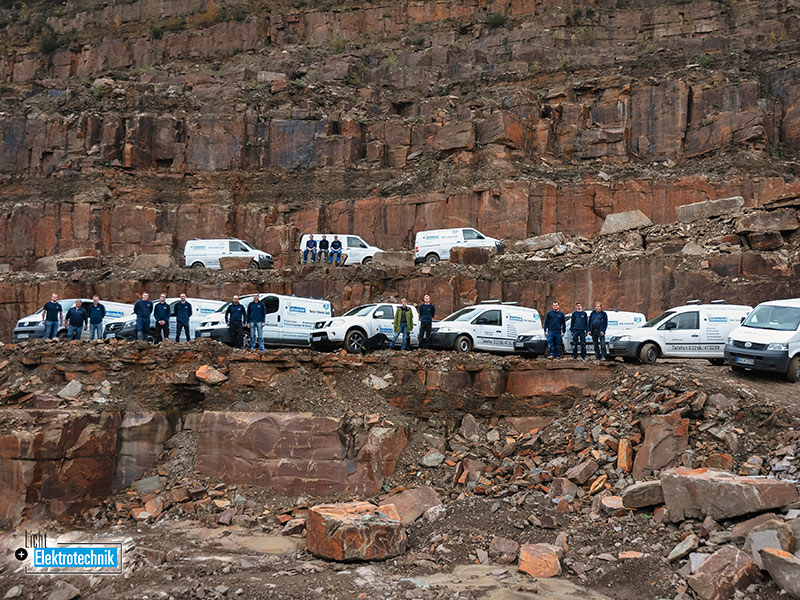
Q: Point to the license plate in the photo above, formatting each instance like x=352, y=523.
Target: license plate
x=519, y=345
x=745, y=361
x=22, y=336
x=316, y=338
x=111, y=335
x=204, y=334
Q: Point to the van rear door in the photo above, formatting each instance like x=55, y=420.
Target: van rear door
x=297, y=321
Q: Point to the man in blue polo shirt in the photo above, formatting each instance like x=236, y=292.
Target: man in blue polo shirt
x=97, y=312
x=234, y=318
x=578, y=326
x=555, y=326
x=52, y=316
x=161, y=313
x=143, y=309
x=76, y=321
x=256, y=317
x=183, y=312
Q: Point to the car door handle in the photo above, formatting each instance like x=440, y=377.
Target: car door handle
x=695, y=335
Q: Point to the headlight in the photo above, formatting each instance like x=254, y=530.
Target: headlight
x=523, y=338
x=624, y=338
x=730, y=341
x=131, y=323
x=779, y=347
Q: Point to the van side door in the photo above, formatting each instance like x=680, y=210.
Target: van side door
x=273, y=323
x=473, y=238
x=382, y=321
x=356, y=249
x=238, y=249
x=488, y=330
x=682, y=334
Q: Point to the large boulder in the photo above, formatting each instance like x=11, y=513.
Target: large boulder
x=776, y=220
x=784, y=568
x=710, y=208
x=694, y=494
x=643, y=493
x=471, y=256
x=411, y=504
x=232, y=263
x=152, y=261
x=665, y=439
x=353, y=531
x=624, y=221
x=540, y=560
x=725, y=571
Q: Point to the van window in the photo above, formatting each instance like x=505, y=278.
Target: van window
x=490, y=317
x=471, y=234
x=465, y=314
x=384, y=312
x=687, y=320
x=652, y=322
x=359, y=311
x=238, y=247
x=354, y=242
x=272, y=304
x=778, y=318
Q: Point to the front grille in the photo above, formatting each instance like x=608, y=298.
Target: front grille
x=753, y=345
x=112, y=327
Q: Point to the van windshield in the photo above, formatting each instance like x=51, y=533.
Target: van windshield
x=662, y=316
x=359, y=311
x=465, y=314
x=778, y=318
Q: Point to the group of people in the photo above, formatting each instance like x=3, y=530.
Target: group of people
x=162, y=312
x=79, y=318
x=404, y=323
x=596, y=323
x=323, y=251
x=254, y=317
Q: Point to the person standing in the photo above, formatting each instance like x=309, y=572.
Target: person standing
x=161, y=312
x=143, y=309
x=403, y=324
x=311, y=246
x=234, y=318
x=336, y=249
x=578, y=326
x=426, y=312
x=256, y=316
x=598, y=324
x=555, y=326
x=323, y=249
x=183, y=312
x=97, y=312
x=77, y=320
x=52, y=317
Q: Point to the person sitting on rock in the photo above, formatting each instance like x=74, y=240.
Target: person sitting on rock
x=77, y=320
x=311, y=246
x=323, y=249
x=336, y=250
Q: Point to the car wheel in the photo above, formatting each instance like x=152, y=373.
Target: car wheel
x=366, y=261
x=717, y=362
x=793, y=373
x=197, y=265
x=254, y=265
x=354, y=341
x=432, y=258
x=648, y=354
x=463, y=343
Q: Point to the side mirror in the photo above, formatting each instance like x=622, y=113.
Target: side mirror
x=672, y=325
x=742, y=320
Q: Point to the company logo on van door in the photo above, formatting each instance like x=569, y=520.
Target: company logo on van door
x=637, y=319
x=717, y=319
x=297, y=309
x=514, y=318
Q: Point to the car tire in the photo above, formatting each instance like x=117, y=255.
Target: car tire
x=717, y=362
x=432, y=258
x=463, y=344
x=197, y=265
x=648, y=353
x=367, y=260
x=354, y=341
x=254, y=265
x=793, y=372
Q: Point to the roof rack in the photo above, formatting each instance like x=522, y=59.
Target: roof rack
x=490, y=301
x=693, y=302
x=720, y=301
x=510, y=303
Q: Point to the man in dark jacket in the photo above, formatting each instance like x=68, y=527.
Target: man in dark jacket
x=403, y=324
x=143, y=309
x=578, y=326
x=256, y=317
x=77, y=318
x=426, y=311
x=97, y=312
x=162, y=312
x=323, y=249
x=52, y=316
x=311, y=246
x=555, y=326
x=598, y=323
x=183, y=312
x=336, y=250
x=234, y=319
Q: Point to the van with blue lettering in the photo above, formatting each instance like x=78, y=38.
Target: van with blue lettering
x=288, y=322
x=357, y=325
x=32, y=327
x=492, y=326
x=435, y=245
x=619, y=322
x=693, y=330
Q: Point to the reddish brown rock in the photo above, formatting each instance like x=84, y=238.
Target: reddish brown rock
x=471, y=256
x=694, y=494
x=625, y=455
x=377, y=458
x=235, y=262
x=665, y=439
x=540, y=560
x=776, y=220
x=741, y=530
x=765, y=240
x=353, y=531
x=581, y=472
x=724, y=572
x=411, y=504
x=210, y=375
x=784, y=568
x=503, y=551
x=642, y=494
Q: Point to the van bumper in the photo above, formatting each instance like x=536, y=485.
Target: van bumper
x=319, y=340
x=443, y=341
x=500, y=247
x=266, y=262
x=218, y=334
x=20, y=334
x=419, y=259
x=776, y=361
x=535, y=347
x=623, y=349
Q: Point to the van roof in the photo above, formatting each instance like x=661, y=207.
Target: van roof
x=697, y=305
x=789, y=302
x=445, y=229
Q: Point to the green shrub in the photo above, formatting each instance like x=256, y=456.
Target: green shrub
x=419, y=41
x=704, y=61
x=337, y=44
x=495, y=20
x=156, y=32
x=49, y=42
x=359, y=74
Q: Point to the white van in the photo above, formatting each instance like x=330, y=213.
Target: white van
x=31, y=327
x=619, y=322
x=288, y=320
x=357, y=325
x=768, y=340
x=206, y=253
x=693, y=330
x=492, y=326
x=124, y=327
x=357, y=250
x=434, y=245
